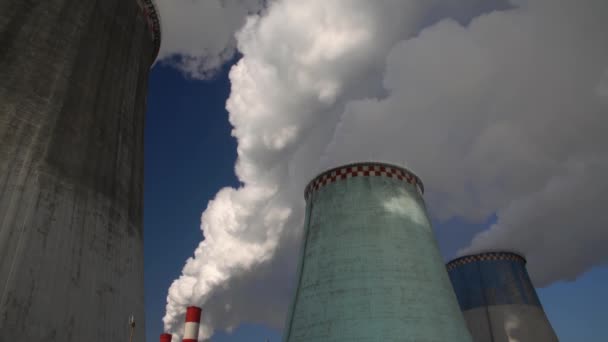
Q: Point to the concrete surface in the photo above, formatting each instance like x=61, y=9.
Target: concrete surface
x=73, y=82
x=371, y=269
x=498, y=299
x=508, y=323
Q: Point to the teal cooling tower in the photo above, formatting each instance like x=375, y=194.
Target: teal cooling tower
x=370, y=269
x=498, y=299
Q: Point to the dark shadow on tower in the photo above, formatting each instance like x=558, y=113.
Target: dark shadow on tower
x=73, y=84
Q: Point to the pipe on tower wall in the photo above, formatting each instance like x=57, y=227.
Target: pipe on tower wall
x=73, y=84
x=498, y=299
x=370, y=268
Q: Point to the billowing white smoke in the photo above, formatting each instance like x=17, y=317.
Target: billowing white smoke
x=505, y=115
x=198, y=35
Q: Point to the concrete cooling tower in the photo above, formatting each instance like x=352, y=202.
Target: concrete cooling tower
x=498, y=299
x=370, y=268
x=73, y=84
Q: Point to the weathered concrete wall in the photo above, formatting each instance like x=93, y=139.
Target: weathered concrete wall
x=371, y=269
x=73, y=82
x=498, y=300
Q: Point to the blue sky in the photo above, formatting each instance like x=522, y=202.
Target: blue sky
x=190, y=155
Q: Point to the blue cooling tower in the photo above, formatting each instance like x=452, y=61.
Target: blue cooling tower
x=498, y=299
x=370, y=268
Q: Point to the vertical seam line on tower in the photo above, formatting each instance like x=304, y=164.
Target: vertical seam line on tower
x=485, y=302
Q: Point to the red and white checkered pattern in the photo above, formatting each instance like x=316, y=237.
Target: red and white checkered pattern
x=489, y=256
x=363, y=170
x=152, y=20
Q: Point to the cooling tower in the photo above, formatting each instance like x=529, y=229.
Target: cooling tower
x=73, y=83
x=370, y=268
x=498, y=299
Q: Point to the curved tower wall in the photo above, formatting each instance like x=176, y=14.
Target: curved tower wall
x=73, y=83
x=370, y=268
x=498, y=299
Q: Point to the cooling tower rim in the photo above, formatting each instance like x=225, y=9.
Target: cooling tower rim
x=324, y=177
x=150, y=11
x=486, y=256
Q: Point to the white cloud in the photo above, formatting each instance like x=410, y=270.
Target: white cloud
x=500, y=116
x=198, y=35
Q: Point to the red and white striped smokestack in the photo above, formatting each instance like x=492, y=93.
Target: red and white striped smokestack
x=165, y=337
x=193, y=319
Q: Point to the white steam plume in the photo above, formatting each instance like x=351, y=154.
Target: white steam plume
x=198, y=35
x=504, y=116
x=299, y=60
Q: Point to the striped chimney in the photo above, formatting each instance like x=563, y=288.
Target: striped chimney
x=165, y=337
x=193, y=319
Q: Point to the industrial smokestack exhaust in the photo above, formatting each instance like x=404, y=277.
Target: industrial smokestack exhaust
x=370, y=268
x=498, y=299
x=193, y=319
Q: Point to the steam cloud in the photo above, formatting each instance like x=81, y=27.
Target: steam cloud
x=198, y=35
x=500, y=113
